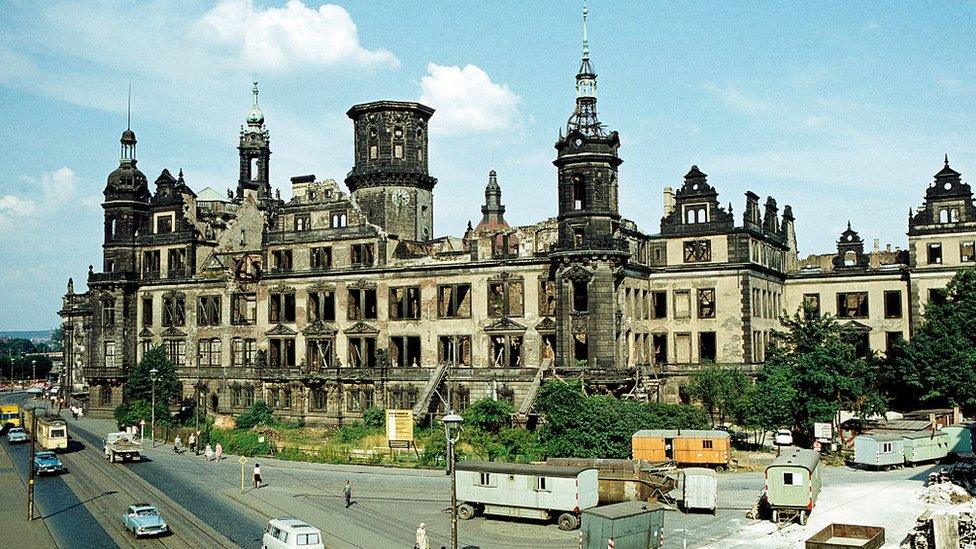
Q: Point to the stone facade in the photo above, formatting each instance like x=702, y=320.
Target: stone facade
x=333, y=301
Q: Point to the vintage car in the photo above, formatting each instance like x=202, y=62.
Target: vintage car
x=47, y=462
x=16, y=434
x=142, y=519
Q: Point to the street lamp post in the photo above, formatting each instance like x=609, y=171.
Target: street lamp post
x=452, y=431
x=33, y=371
x=152, y=435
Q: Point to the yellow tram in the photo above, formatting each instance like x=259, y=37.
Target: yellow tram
x=9, y=416
x=52, y=431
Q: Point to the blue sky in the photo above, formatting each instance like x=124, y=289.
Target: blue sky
x=842, y=110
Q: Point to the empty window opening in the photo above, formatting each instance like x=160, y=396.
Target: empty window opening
x=320, y=352
x=706, y=347
x=208, y=310
x=405, y=303
x=659, y=304
x=243, y=352
x=281, y=307
x=281, y=352
x=361, y=255
x=935, y=253
x=581, y=349
x=706, y=303
x=579, y=193
x=892, y=304
x=321, y=306
x=320, y=258
x=245, y=309
x=506, y=351
x=852, y=305
x=362, y=352
x=580, y=298
x=405, y=351
x=454, y=349
x=454, y=301
x=660, y=343
x=362, y=304
x=505, y=298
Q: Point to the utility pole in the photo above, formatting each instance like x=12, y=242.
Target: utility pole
x=30, y=482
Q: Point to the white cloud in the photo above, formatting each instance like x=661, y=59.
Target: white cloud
x=467, y=100
x=739, y=101
x=15, y=206
x=293, y=36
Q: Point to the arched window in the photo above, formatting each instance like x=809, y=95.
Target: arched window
x=943, y=216
x=954, y=215
x=397, y=142
x=373, y=144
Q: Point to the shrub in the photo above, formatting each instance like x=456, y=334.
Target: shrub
x=238, y=441
x=352, y=432
x=374, y=417
x=257, y=414
x=489, y=415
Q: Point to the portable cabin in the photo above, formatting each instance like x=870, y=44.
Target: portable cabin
x=625, y=525
x=879, y=449
x=960, y=439
x=925, y=446
x=699, y=489
x=526, y=491
x=683, y=446
x=793, y=483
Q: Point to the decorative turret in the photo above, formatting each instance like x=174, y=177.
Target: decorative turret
x=493, y=211
x=948, y=203
x=255, y=153
x=850, y=250
x=126, y=205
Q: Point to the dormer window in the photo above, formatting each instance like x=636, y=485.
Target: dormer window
x=338, y=220
x=697, y=213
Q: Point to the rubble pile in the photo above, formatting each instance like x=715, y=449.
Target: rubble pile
x=945, y=493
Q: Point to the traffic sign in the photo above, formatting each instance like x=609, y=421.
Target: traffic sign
x=242, y=461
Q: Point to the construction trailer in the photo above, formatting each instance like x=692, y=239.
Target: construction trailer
x=960, y=439
x=879, y=450
x=526, y=491
x=709, y=448
x=793, y=484
x=624, y=479
x=925, y=446
x=625, y=525
x=699, y=489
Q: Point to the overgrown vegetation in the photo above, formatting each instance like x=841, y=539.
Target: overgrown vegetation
x=138, y=390
x=601, y=426
x=937, y=368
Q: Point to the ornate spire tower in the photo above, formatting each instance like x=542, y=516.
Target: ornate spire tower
x=493, y=211
x=589, y=253
x=126, y=205
x=255, y=153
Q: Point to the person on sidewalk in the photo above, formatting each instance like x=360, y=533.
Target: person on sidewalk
x=178, y=445
x=257, y=475
x=422, y=541
x=218, y=452
x=192, y=441
x=347, y=493
x=209, y=453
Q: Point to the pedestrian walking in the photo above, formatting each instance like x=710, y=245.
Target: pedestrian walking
x=422, y=541
x=347, y=493
x=218, y=452
x=178, y=444
x=193, y=443
x=209, y=453
x=257, y=475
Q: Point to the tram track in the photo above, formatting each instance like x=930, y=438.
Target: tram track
x=109, y=489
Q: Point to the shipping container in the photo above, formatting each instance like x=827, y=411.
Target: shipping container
x=793, y=483
x=683, y=446
x=626, y=525
x=526, y=491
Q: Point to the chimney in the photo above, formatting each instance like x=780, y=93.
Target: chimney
x=877, y=245
x=888, y=247
x=668, y=201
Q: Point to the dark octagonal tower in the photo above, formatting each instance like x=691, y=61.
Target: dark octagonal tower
x=390, y=181
x=589, y=254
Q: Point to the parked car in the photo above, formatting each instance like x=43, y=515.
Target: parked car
x=16, y=434
x=784, y=437
x=291, y=533
x=47, y=462
x=35, y=391
x=142, y=519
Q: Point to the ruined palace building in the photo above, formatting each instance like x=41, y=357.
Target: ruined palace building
x=343, y=297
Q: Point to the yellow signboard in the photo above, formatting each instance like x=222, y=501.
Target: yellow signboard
x=399, y=425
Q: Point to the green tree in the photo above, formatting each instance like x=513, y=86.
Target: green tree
x=814, y=358
x=721, y=391
x=139, y=386
x=938, y=366
x=135, y=411
x=257, y=414
x=57, y=337
x=489, y=415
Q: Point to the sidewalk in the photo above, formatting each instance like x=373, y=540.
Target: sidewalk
x=15, y=530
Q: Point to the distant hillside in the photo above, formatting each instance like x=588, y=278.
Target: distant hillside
x=33, y=335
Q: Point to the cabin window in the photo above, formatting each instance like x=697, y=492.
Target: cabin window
x=789, y=479
x=885, y=447
x=484, y=479
x=706, y=444
x=540, y=484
